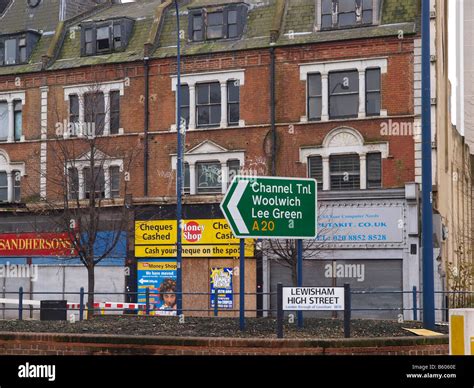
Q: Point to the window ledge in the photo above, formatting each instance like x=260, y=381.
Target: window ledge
x=383, y=115
x=121, y=132
x=197, y=129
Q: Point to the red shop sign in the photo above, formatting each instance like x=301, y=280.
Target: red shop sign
x=36, y=244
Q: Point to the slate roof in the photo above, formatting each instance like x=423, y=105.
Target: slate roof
x=256, y=34
x=19, y=17
x=297, y=27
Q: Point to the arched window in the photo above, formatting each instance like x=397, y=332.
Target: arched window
x=345, y=162
x=10, y=178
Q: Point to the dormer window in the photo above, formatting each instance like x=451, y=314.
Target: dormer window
x=218, y=23
x=346, y=13
x=16, y=49
x=106, y=37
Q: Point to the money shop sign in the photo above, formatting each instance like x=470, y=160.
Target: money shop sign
x=201, y=238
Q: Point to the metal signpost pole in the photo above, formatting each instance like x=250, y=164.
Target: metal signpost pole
x=179, y=173
x=299, y=249
x=427, y=180
x=242, y=284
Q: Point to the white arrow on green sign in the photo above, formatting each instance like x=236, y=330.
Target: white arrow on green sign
x=271, y=207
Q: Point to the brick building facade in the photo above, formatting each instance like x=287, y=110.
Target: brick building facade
x=344, y=86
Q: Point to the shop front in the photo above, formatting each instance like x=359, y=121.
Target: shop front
x=369, y=240
x=210, y=265
x=46, y=266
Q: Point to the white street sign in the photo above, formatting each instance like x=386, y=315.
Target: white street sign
x=313, y=298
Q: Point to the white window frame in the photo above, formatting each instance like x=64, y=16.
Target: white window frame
x=9, y=167
x=104, y=162
x=222, y=77
x=81, y=90
x=10, y=98
x=324, y=68
x=209, y=151
x=343, y=141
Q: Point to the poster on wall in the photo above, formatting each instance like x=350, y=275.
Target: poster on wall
x=221, y=280
x=201, y=238
x=159, y=276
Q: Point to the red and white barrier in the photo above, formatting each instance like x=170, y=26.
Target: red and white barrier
x=77, y=306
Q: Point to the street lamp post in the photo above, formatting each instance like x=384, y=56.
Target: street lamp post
x=179, y=172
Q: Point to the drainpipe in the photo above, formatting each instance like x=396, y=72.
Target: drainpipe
x=146, y=125
x=273, y=109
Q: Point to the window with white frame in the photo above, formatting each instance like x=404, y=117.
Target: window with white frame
x=4, y=117
x=10, y=179
x=372, y=90
x=114, y=181
x=94, y=110
x=185, y=104
x=315, y=169
x=17, y=120
x=209, y=168
x=209, y=176
x=344, y=171
x=73, y=183
x=11, y=116
x=233, y=103
x=3, y=186
x=343, y=89
x=343, y=94
x=374, y=170
x=233, y=168
x=345, y=162
x=314, y=96
x=211, y=100
x=208, y=104
x=16, y=185
x=104, y=182
x=94, y=182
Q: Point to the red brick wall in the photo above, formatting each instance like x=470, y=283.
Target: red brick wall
x=70, y=344
x=397, y=98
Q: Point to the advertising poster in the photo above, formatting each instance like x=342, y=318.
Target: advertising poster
x=159, y=276
x=221, y=280
x=201, y=238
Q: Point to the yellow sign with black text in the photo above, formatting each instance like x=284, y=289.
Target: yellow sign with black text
x=201, y=238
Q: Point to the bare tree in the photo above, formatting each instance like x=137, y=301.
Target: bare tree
x=87, y=182
x=285, y=251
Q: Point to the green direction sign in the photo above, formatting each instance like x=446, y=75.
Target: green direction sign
x=268, y=207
